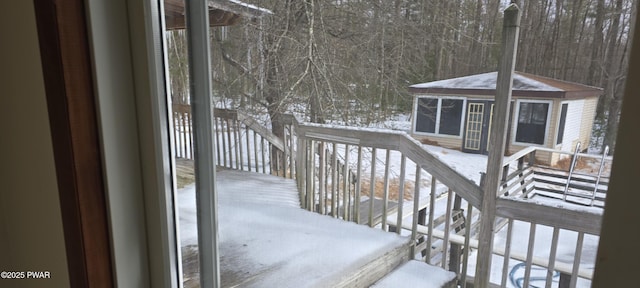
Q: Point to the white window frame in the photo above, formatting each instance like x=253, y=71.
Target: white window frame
x=128, y=70
x=517, y=117
x=438, y=114
x=136, y=139
x=555, y=138
x=198, y=31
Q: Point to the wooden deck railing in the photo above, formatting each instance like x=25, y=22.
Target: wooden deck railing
x=379, y=178
x=437, y=219
x=444, y=222
x=242, y=142
x=183, y=131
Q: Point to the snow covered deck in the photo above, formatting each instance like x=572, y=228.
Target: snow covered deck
x=417, y=274
x=268, y=241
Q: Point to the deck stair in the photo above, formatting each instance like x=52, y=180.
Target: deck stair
x=572, y=186
x=580, y=189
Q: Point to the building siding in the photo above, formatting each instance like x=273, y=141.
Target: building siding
x=446, y=142
x=573, y=125
x=588, y=116
x=554, y=118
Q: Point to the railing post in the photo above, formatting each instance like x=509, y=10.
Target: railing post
x=416, y=206
x=321, y=174
x=285, y=154
x=310, y=175
x=292, y=157
x=565, y=280
x=522, y=183
x=456, y=249
x=302, y=162
x=497, y=138
x=358, y=186
x=505, y=174
x=532, y=158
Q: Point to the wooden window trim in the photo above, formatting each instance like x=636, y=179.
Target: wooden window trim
x=65, y=55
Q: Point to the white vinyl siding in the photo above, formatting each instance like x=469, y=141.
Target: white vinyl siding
x=588, y=116
x=572, y=125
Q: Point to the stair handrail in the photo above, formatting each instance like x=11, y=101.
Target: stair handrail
x=399, y=141
x=600, y=170
x=251, y=123
x=571, y=168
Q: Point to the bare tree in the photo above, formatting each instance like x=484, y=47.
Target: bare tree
x=352, y=60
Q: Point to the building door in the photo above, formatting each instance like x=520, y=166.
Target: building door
x=477, y=127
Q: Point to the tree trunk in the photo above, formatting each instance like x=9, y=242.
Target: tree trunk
x=273, y=96
x=595, y=64
x=612, y=104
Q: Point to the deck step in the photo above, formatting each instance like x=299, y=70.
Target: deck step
x=418, y=274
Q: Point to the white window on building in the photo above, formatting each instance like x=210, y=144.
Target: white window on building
x=441, y=116
x=533, y=120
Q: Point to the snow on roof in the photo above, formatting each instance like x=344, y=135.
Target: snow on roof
x=250, y=6
x=239, y=7
x=487, y=81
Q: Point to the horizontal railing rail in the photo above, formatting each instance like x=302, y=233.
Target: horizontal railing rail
x=528, y=210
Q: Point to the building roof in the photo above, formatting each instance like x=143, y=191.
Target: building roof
x=524, y=85
x=221, y=12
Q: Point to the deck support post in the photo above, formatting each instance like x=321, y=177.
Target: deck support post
x=498, y=138
x=565, y=280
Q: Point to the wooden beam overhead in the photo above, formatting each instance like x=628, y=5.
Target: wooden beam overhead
x=217, y=18
x=221, y=13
